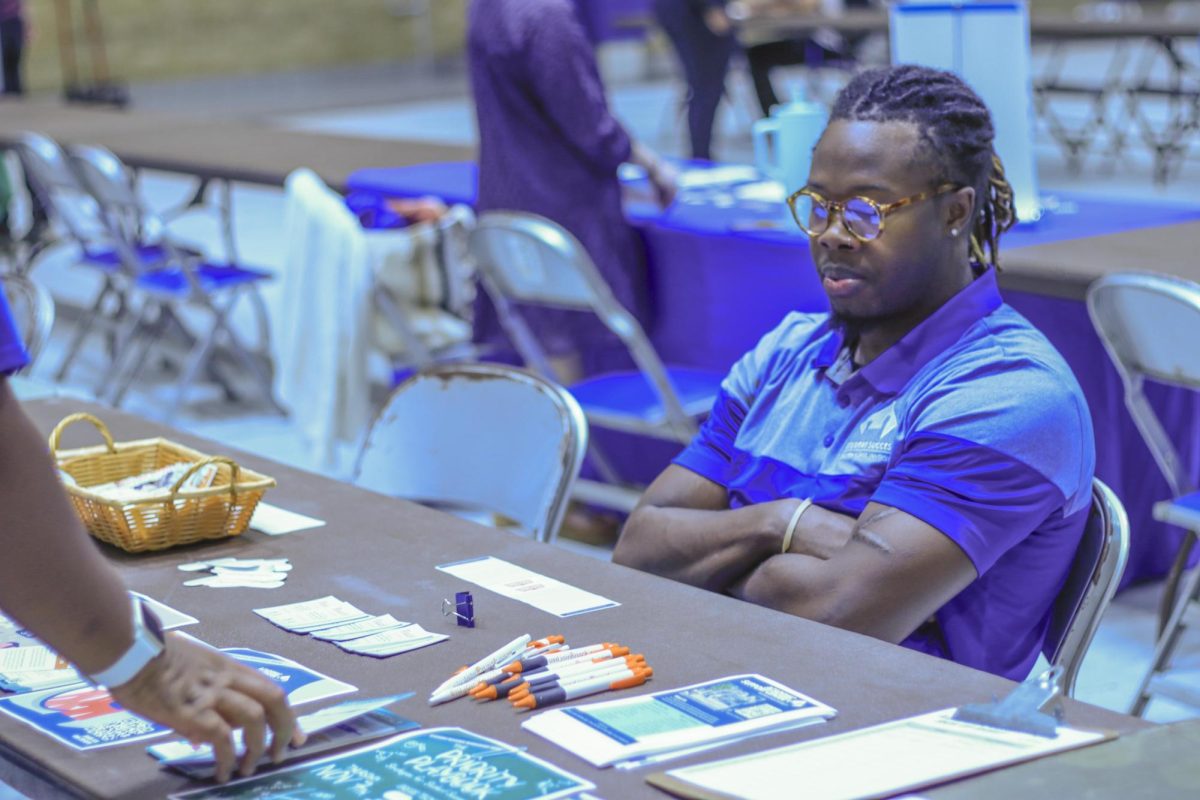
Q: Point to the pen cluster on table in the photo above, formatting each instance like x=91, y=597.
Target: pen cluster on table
x=538, y=673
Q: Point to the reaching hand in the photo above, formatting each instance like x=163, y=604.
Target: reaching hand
x=665, y=180
x=717, y=21
x=204, y=696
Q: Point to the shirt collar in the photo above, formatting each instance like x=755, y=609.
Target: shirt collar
x=893, y=369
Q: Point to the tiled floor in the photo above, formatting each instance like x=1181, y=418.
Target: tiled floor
x=1123, y=646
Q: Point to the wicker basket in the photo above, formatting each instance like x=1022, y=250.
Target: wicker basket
x=165, y=518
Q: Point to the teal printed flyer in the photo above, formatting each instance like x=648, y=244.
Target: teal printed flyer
x=434, y=764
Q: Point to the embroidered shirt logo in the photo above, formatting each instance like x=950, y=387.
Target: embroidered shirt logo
x=876, y=433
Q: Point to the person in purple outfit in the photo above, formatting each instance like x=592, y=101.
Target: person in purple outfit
x=549, y=145
x=915, y=465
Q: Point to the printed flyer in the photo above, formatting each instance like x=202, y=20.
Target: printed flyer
x=435, y=764
x=86, y=717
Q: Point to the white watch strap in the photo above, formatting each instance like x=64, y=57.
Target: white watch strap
x=144, y=648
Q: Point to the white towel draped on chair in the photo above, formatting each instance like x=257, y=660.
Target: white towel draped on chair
x=320, y=328
x=327, y=321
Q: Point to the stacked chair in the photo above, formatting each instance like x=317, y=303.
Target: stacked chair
x=527, y=259
x=1149, y=324
x=151, y=287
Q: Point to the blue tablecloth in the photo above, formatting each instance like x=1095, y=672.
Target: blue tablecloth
x=724, y=273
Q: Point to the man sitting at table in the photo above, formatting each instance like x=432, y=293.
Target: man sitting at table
x=917, y=464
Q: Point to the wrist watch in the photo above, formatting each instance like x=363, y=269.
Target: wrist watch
x=147, y=644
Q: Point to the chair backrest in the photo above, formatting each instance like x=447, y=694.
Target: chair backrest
x=129, y=222
x=58, y=188
x=479, y=436
x=1091, y=583
x=1149, y=324
x=525, y=258
x=111, y=183
x=32, y=309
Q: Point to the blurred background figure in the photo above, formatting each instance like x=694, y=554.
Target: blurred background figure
x=703, y=38
x=823, y=46
x=12, y=44
x=549, y=145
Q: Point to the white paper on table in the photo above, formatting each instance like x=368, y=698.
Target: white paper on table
x=394, y=642
x=516, y=582
x=721, y=710
x=312, y=615
x=873, y=762
x=275, y=521
x=32, y=658
x=170, y=618
x=357, y=630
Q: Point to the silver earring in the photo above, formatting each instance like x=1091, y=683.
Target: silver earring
x=954, y=231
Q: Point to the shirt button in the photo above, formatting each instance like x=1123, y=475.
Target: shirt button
x=843, y=400
x=829, y=440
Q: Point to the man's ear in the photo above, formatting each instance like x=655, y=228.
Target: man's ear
x=959, y=207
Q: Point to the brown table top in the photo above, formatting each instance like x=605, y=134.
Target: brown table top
x=216, y=148
x=1066, y=268
x=380, y=554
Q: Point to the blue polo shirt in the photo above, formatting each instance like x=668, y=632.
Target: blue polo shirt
x=12, y=351
x=972, y=423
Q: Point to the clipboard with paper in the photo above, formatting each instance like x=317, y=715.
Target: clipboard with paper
x=895, y=757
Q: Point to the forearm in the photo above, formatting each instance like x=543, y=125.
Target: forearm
x=77, y=604
x=705, y=548
x=645, y=158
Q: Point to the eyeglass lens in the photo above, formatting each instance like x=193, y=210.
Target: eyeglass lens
x=860, y=217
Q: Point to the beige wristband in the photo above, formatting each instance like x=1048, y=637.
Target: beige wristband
x=793, y=522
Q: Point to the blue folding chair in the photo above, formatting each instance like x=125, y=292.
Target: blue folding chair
x=32, y=309
x=1149, y=324
x=524, y=258
x=166, y=285
x=74, y=212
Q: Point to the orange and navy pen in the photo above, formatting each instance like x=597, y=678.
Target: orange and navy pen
x=609, y=668
x=566, y=672
x=561, y=694
x=528, y=664
x=546, y=640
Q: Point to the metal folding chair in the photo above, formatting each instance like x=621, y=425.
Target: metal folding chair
x=33, y=310
x=76, y=215
x=474, y=438
x=167, y=281
x=524, y=258
x=1149, y=324
x=1095, y=573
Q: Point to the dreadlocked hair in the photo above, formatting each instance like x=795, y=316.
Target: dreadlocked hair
x=956, y=132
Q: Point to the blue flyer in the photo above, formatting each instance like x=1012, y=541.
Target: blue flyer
x=86, y=717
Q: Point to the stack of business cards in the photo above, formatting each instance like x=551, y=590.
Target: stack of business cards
x=355, y=631
x=244, y=573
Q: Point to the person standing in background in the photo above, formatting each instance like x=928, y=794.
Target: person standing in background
x=12, y=44
x=703, y=38
x=549, y=145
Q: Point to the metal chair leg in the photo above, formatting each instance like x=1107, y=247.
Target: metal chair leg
x=1167, y=641
x=84, y=328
